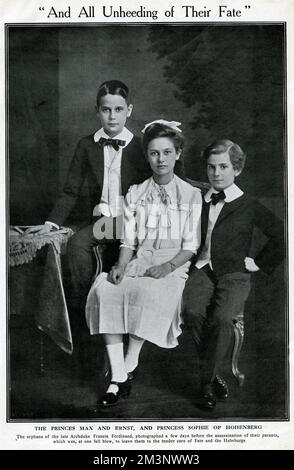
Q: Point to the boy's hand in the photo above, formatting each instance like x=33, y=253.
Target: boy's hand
x=158, y=271
x=39, y=229
x=116, y=274
x=250, y=265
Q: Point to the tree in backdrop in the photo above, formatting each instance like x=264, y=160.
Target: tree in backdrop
x=231, y=80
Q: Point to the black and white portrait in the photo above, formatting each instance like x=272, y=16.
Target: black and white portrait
x=219, y=82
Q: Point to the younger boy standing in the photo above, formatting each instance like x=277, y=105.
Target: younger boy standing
x=219, y=282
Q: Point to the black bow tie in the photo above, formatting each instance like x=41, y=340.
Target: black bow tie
x=216, y=197
x=115, y=143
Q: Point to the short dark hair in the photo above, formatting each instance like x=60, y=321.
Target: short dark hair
x=236, y=154
x=112, y=87
x=161, y=130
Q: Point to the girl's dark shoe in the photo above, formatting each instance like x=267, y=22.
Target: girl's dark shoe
x=111, y=399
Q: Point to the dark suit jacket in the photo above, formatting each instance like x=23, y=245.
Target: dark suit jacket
x=232, y=236
x=88, y=164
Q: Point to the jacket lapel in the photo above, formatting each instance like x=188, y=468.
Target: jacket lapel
x=230, y=207
x=126, y=167
x=96, y=159
x=134, y=167
x=204, y=220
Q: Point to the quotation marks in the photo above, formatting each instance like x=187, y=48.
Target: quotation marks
x=247, y=6
x=41, y=8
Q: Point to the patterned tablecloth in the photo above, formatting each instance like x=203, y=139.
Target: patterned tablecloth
x=23, y=248
x=51, y=315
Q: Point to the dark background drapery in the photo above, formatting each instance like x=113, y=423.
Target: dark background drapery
x=219, y=81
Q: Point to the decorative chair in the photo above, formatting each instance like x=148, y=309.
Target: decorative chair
x=238, y=325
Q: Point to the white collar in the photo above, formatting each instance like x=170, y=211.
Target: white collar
x=125, y=134
x=169, y=187
x=232, y=193
x=153, y=190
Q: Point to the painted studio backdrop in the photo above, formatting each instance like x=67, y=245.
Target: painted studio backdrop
x=219, y=81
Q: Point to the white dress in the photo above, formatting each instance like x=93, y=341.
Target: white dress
x=157, y=226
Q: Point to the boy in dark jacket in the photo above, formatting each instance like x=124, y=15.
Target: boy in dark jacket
x=219, y=282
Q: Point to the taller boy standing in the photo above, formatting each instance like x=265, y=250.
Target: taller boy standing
x=219, y=282
x=110, y=161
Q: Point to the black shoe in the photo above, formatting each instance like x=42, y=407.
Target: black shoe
x=208, y=398
x=111, y=399
x=220, y=388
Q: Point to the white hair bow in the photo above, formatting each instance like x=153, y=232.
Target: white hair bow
x=171, y=124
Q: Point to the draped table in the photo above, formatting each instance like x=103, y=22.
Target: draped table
x=35, y=282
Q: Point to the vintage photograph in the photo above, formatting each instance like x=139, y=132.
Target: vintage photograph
x=147, y=219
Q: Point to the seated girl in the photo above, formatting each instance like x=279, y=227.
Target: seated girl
x=141, y=296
